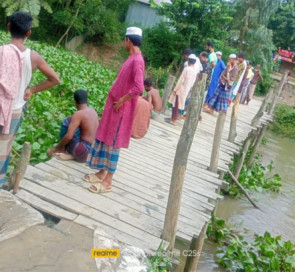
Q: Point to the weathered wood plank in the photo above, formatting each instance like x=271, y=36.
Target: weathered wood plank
x=45, y=206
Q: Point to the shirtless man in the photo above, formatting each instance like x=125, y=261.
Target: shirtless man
x=77, y=131
x=153, y=96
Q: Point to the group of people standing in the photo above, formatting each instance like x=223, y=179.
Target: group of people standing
x=224, y=82
x=126, y=113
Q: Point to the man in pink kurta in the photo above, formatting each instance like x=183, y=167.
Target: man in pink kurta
x=115, y=127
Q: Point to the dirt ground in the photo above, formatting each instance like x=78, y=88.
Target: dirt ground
x=64, y=248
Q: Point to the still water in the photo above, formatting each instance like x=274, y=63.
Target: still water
x=278, y=213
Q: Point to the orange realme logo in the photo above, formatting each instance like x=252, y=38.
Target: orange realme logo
x=105, y=253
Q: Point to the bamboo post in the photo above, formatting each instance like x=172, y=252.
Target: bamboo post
x=167, y=92
x=180, y=161
x=278, y=93
x=196, y=250
x=21, y=165
x=217, y=141
x=16, y=182
x=243, y=154
x=256, y=145
x=261, y=110
x=233, y=122
x=243, y=190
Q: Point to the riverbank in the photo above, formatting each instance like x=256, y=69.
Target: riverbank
x=277, y=215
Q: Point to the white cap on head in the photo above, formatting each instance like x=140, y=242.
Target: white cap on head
x=134, y=31
x=219, y=53
x=232, y=56
x=192, y=56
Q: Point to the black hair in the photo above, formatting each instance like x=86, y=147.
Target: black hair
x=211, y=44
x=148, y=82
x=191, y=61
x=241, y=55
x=187, y=51
x=81, y=97
x=204, y=54
x=135, y=39
x=20, y=23
x=251, y=63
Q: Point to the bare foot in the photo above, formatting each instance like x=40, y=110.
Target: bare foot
x=64, y=156
x=100, y=176
x=173, y=122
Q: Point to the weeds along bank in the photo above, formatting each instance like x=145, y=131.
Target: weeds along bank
x=236, y=248
x=284, y=121
x=45, y=111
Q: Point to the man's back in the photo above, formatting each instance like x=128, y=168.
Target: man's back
x=88, y=123
x=156, y=100
x=142, y=118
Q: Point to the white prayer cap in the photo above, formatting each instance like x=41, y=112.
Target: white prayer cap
x=219, y=53
x=134, y=31
x=232, y=56
x=192, y=56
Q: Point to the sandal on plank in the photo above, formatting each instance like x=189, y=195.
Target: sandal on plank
x=100, y=189
x=92, y=178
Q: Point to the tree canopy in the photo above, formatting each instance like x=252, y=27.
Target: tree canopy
x=282, y=22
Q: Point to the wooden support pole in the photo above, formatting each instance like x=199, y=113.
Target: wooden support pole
x=256, y=145
x=243, y=190
x=217, y=141
x=16, y=182
x=21, y=166
x=180, y=160
x=167, y=92
x=233, y=122
x=278, y=93
x=196, y=247
x=243, y=154
x=261, y=110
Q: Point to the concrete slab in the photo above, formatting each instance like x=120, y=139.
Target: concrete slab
x=16, y=216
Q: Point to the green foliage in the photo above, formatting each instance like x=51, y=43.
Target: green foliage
x=31, y=6
x=266, y=253
x=46, y=110
x=198, y=21
x=98, y=20
x=218, y=231
x=254, y=178
x=263, y=87
x=249, y=30
x=95, y=21
x=160, y=262
x=285, y=121
x=162, y=46
x=282, y=22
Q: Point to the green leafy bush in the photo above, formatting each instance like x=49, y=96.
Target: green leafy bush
x=263, y=87
x=162, y=46
x=266, y=253
x=46, y=110
x=256, y=177
x=285, y=121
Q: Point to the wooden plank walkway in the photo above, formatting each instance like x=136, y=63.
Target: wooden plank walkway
x=134, y=211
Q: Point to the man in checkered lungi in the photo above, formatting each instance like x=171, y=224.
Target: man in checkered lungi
x=115, y=127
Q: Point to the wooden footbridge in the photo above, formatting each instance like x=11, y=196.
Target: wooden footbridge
x=134, y=212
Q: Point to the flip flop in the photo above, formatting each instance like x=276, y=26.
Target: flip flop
x=100, y=189
x=92, y=178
